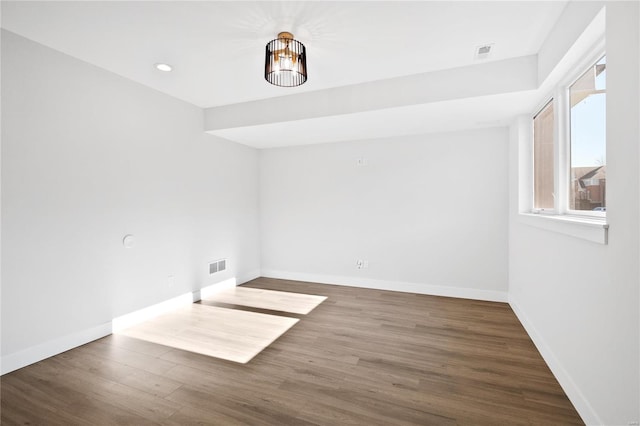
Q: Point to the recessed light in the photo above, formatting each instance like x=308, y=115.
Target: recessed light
x=164, y=67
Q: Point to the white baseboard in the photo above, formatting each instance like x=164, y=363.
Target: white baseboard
x=586, y=411
x=407, y=287
x=145, y=314
x=48, y=349
x=246, y=277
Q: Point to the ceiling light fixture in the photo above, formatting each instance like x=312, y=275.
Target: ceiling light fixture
x=164, y=67
x=285, y=61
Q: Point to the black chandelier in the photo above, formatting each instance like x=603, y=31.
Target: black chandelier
x=285, y=61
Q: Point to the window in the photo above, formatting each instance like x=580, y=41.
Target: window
x=543, y=158
x=588, y=139
x=569, y=147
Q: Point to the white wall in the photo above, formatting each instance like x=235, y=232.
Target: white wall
x=87, y=157
x=579, y=299
x=0, y=196
x=428, y=213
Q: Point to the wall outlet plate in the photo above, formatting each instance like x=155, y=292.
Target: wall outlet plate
x=362, y=264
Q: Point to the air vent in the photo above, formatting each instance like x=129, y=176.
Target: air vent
x=217, y=266
x=484, y=51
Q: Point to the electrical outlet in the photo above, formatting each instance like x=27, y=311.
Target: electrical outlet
x=362, y=264
x=171, y=280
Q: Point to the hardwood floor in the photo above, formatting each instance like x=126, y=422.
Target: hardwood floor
x=282, y=301
x=363, y=357
x=231, y=334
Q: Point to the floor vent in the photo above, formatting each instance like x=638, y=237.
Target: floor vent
x=217, y=266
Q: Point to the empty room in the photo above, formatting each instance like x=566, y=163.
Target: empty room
x=320, y=212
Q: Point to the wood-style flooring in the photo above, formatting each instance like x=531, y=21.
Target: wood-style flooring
x=363, y=357
x=230, y=334
x=283, y=301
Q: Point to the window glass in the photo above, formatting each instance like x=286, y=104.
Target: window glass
x=543, y=158
x=588, y=140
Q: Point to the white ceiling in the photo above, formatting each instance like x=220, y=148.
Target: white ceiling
x=217, y=51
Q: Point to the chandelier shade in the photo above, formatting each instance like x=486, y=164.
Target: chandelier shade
x=285, y=61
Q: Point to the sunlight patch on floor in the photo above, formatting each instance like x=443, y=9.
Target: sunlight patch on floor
x=229, y=334
x=283, y=301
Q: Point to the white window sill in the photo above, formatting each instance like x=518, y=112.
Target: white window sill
x=586, y=228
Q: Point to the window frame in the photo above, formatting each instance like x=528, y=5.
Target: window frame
x=552, y=211
x=595, y=57
x=560, y=95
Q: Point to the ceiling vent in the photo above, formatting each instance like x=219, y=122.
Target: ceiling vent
x=484, y=51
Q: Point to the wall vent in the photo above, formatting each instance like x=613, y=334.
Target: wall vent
x=217, y=266
x=484, y=51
